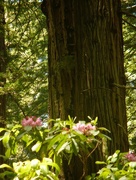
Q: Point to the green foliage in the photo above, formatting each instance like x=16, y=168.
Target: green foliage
x=33, y=169
x=129, y=16
x=26, y=74
x=27, y=93
x=117, y=168
x=26, y=70
x=63, y=140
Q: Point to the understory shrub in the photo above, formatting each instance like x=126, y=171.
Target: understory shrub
x=119, y=166
x=34, y=150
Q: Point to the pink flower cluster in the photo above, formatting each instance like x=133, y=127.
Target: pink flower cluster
x=31, y=121
x=84, y=128
x=131, y=157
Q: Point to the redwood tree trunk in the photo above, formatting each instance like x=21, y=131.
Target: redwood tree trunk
x=2, y=71
x=86, y=65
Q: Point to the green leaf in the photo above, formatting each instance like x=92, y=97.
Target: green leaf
x=124, y=178
x=117, y=152
x=29, y=142
x=4, y=157
x=50, y=177
x=54, y=165
x=10, y=126
x=6, y=138
x=55, y=139
x=3, y=129
x=20, y=135
x=6, y=166
x=104, y=136
x=22, y=168
x=115, y=156
x=94, y=132
x=28, y=128
x=62, y=146
x=7, y=153
x=37, y=146
x=132, y=164
x=75, y=146
x=103, y=129
x=100, y=162
x=17, y=126
x=93, y=122
x=35, y=163
x=61, y=143
x=44, y=168
x=8, y=174
x=79, y=135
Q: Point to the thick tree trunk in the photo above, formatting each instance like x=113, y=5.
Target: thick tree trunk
x=86, y=65
x=2, y=71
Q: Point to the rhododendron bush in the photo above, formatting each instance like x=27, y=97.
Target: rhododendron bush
x=120, y=166
x=38, y=150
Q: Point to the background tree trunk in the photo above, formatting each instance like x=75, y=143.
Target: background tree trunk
x=86, y=65
x=2, y=76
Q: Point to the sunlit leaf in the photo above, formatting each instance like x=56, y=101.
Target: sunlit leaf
x=132, y=164
x=3, y=129
x=103, y=129
x=75, y=146
x=37, y=146
x=44, y=168
x=35, y=163
x=53, y=141
x=100, y=162
x=28, y=128
x=8, y=152
x=61, y=147
x=6, y=166
x=6, y=138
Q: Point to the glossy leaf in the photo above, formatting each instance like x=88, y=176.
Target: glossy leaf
x=37, y=146
x=6, y=138
x=6, y=166
x=75, y=146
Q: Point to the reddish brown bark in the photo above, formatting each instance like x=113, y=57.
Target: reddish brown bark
x=85, y=62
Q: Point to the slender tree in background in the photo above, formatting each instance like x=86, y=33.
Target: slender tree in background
x=86, y=68
x=2, y=74
x=26, y=72
x=129, y=29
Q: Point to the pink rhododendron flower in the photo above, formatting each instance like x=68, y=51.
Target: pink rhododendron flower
x=90, y=127
x=38, y=122
x=79, y=127
x=83, y=128
x=131, y=157
x=31, y=121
